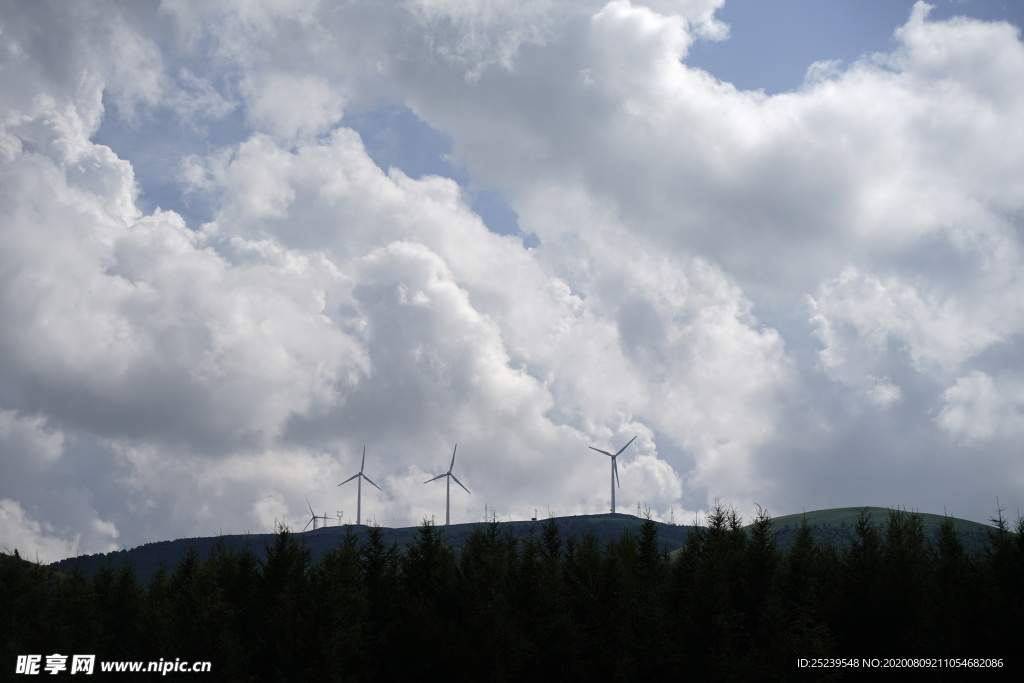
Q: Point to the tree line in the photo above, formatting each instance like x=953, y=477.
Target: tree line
x=729, y=605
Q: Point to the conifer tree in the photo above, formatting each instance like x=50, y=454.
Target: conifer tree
x=379, y=568
x=860, y=608
x=429, y=577
x=904, y=583
x=799, y=584
x=192, y=630
x=956, y=593
x=1003, y=567
x=120, y=603
x=286, y=629
x=161, y=614
x=26, y=606
x=340, y=611
x=233, y=605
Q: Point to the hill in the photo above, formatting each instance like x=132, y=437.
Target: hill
x=828, y=526
x=835, y=525
x=146, y=559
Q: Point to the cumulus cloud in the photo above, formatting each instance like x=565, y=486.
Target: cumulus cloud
x=857, y=316
x=770, y=292
x=127, y=322
x=293, y=108
x=978, y=409
x=30, y=437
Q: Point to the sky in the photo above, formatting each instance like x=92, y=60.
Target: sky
x=779, y=243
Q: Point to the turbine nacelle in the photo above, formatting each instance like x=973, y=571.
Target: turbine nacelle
x=449, y=473
x=359, y=474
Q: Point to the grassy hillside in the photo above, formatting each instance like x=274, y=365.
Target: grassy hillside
x=835, y=524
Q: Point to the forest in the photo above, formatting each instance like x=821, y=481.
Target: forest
x=730, y=605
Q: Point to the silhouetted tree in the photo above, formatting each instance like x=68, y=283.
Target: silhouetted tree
x=340, y=612
x=429, y=579
x=860, y=608
x=286, y=630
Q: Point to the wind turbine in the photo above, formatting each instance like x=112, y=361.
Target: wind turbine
x=359, y=484
x=448, y=491
x=314, y=518
x=615, y=469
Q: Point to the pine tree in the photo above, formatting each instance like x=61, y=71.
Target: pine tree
x=1003, y=568
x=495, y=641
x=340, y=611
x=286, y=629
x=904, y=583
x=861, y=609
x=379, y=568
x=429, y=578
x=26, y=607
x=192, y=630
x=121, y=606
x=231, y=582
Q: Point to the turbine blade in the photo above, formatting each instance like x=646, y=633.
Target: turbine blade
x=350, y=479
x=453, y=457
x=600, y=451
x=627, y=445
x=310, y=508
x=460, y=484
x=615, y=468
x=364, y=461
x=374, y=485
x=436, y=478
x=307, y=525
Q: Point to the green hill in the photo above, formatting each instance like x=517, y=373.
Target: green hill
x=835, y=525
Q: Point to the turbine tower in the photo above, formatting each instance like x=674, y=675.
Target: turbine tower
x=448, y=492
x=359, y=488
x=615, y=468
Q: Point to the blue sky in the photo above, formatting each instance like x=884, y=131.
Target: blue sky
x=772, y=43
x=779, y=243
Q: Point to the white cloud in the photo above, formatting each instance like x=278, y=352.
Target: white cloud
x=29, y=537
x=196, y=98
x=978, y=408
x=216, y=374
x=29, y=438
x=269, y=510
x=293, y=108
x=824, y=70
x=473, y=35
x=138, y=317
x=884, y=393
x=857, y=315
x=35, y=540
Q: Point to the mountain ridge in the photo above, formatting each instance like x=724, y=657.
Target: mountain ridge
x=828, y=526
